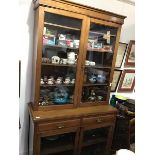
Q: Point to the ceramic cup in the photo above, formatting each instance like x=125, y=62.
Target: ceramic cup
x=73, y=81
x=87, y=62
x=92, y=63
x=63, y=61
x=71, y=62
x=67, y=80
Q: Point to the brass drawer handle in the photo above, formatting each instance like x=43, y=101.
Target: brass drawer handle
x=99, y=120
x=60, y=127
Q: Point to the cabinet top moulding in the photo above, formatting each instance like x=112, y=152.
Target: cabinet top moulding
x=82, y=9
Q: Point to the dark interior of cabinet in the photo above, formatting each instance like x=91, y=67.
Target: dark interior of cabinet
x=62, y=20
x=96, y=149
x=94, y=141
x=103, y=59
x=58, y=144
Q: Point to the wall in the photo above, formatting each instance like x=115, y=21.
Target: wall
x=26, y=43
x=26, y=40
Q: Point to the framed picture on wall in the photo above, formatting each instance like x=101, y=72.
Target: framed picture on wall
x=127, y=81
x=120, y=54
x=116, y=78
x=130, y=56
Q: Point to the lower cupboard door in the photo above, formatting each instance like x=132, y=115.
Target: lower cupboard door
x=62, y=144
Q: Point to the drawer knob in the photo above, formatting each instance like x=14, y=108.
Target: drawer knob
x=99, y=120
x=60, y=127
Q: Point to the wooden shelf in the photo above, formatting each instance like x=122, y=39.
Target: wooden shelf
x=98, y=50
x=55, y=85
x=62, y=26
x=58, y=46
x=94, y=32
x=98, y=66
x=93, y=141
x=95, y=84
x=54, y=148
x=59, y=65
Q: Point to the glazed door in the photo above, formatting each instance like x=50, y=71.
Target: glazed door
x=61, y=40
x=98, y=61
x=60, y=144
x=95, y=141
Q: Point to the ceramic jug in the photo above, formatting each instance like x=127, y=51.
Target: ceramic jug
x=71, y=57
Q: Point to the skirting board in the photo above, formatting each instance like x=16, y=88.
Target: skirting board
x=26, y=153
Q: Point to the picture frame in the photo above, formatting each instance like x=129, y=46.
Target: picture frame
x=127, y=81
x=130, y=55
x=116, y=78
x=120, y=54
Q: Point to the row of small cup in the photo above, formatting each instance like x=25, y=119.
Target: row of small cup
x=91, y=63
x=59, y=80
x=58, y=60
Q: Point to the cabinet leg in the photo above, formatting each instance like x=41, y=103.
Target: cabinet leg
x=36, y=143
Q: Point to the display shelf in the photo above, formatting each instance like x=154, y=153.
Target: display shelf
x=94, y=32
x=61, y=26
x=95, y=84
x=58, y=85
x=97, y=66
x=93, y=141
x=58, y=46
x=59, y=65
x=98, y=50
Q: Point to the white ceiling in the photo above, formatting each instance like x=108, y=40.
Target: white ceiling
x=132, y=2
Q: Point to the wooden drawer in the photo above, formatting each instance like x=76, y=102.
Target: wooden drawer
x=98, y=120
x=59, y=125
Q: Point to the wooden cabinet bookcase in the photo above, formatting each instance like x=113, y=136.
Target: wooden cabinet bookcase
x=75, y=48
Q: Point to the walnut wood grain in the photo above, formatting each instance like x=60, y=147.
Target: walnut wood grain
x=39, y=116
x=82, y=9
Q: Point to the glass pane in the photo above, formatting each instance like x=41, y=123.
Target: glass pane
x=98, y=63
x=96, y=149
x=61, y=39
x=58, y=144
x=94, y=141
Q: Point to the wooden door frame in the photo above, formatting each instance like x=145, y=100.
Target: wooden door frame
x=106, y=23
x=109, y=137
x=40, y=26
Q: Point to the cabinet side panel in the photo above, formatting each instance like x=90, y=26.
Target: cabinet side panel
x=34, y=54
x=37, y=49
x=114, y=60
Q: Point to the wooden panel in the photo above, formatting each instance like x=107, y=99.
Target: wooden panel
x=83, y=38
x=41, y=116
x=58, y=125
x=63, y=13
x=97, y=120
x=114, y=60
x=40, y=28
x=58, y=132
x=104, y=22
x=82, y=9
